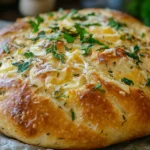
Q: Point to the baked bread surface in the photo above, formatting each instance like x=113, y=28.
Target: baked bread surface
x=75, y=79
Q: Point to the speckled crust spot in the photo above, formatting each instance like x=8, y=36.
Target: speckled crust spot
x=75, y=79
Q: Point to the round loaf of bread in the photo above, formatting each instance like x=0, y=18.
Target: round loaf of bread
x=75, y=79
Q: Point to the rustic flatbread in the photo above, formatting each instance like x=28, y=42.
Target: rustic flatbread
x=75, y=79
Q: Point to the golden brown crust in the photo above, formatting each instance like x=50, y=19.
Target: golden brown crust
x=82, y=101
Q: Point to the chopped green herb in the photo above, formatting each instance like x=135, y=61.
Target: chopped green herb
x=91, y=40
x=70, y=32
x=134, y=54
x=54, y=28
x=69, y=38
x=40, y=35
x=86, y=49
x=98, y=87
x=5, y=48
x=56, y=92
x=28, y=54
x=60, y=10
x=127, y=81
x=0, y=64
x=51, y=14
x=61, y=96
x=148, y=82
x=67, y=48
x=142, y=54
x=58, y=56
x=81, y=31
x=136, y=48
x=143, y=35
x=55, y=36
x=2, y=92
x=127, y=37
x=35, y=24
x=91, y=14
x=91, y=24
x=63, y=17
x=79, y=17
x=72, y=12
x=72, y=114
x=115, y=24
x=22, y=66
x=123, y=37
x=39, y=20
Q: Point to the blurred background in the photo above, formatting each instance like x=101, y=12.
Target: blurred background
x=10, y=10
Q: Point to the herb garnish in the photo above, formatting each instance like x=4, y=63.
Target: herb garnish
x=134, y=54
x=0, y=64
x=72, y=12
x=68, y=48
x=35, y=24
x=55, y=36
x=5, y=48
x=61, y=96
x=92, y=40
x=72, y=114
x=58, y=56
x=79, y=17
x=127, y=81
x=51, y=14
x=54, y=28
x=143, y=35
x=28, y=54
x=98, y=87
x=40, y=35
x=81, y=31
x=22, y=66
x=91, y=24
x=69, y=38
x=148, y=82
x=2, y=92
x=86, y=49
x=115, y=24
x=89, y=39
x=91, y=14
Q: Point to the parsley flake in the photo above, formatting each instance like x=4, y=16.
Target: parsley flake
x=81, y=31
x=61, y=96
x=86, y=49
x=40, y=35
x=134, y=54
x=22, y=66
x=51, y=14
x=58, y=56
x=98, y=87
x=28, y=54
x=72, y=13
x=72, y=114
x=143, y=35
x=148, y=82
x=92, y=40
x=91, y=24
x=69, y=38
x=127, y=81
x=5, y=48
x=115, y=24
x=35, y=24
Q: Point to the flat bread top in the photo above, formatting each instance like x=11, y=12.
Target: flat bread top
x=75, y=79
